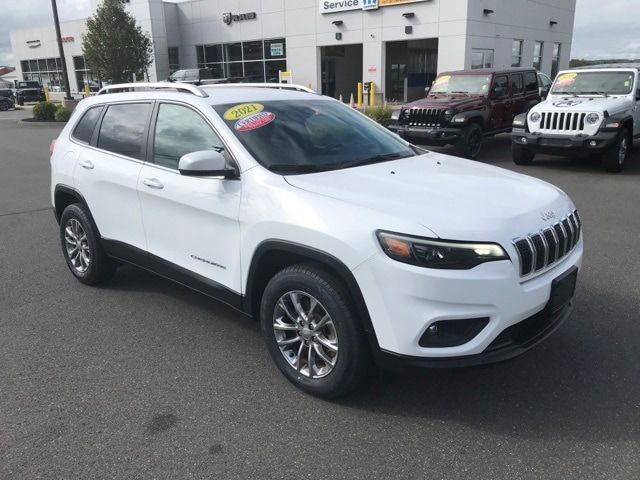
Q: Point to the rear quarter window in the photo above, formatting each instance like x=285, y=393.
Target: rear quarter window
x=87, y=124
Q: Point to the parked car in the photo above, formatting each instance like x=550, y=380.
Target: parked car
x=6, y=103
x=6, y=91
x=463, y=107
x=590, y=111
x=195, y=76
x=29, y=91
x=348, y=243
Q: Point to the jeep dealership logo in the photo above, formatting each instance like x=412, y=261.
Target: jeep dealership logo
x=567, y=103
x=228, y=18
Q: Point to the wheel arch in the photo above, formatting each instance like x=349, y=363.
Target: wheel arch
x=64, y=196
x=271, y=256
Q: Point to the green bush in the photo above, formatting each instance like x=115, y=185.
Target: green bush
x=381, y=114
x=62, y=114
x=44, y=111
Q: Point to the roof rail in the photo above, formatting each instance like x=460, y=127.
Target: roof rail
x=181, y=87
x=280, y=86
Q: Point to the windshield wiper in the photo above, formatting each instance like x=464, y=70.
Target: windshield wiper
x=292, y=168
x=467, y=93
x=604, y=94
x=375, y=159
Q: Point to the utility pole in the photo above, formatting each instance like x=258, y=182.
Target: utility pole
x=65, y=77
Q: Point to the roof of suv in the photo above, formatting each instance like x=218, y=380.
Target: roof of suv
x=635, y=66
x=489, y=71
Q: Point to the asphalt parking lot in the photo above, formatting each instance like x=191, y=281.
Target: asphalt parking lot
x=142, y=378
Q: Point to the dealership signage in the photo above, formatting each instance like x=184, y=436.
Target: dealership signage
x=229, y=17
x=333, y=6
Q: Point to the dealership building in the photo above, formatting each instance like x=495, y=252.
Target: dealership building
x=330, y=45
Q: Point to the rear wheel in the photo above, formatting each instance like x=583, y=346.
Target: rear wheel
x=312, y=331
x=81, y=247
x=470, y=142
x=520, y=154
x=614, y=159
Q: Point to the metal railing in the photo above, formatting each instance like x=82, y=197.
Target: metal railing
x=180, y=87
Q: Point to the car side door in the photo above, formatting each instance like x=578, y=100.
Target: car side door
x=636, y=108
x=108, y=166
x=191, y=223
x=500, y=103
x=518, y=98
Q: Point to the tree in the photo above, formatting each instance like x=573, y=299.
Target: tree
x=114, y=46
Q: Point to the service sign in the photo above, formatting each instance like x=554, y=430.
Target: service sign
x=334, y=6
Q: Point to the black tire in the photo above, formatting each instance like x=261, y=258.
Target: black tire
x=352, y=360
x=520, y=154
x=4, y=106
x=613, y=160
x=100, y=268
x=470, y=142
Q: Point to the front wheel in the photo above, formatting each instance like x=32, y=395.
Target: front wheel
x=4, y=106
x=614, y=159
x=470, y=142
x=521, y=156
x=312, y=331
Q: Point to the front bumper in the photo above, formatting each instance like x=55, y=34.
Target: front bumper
x=404, y=300
x=564, y=144
x=427, y=136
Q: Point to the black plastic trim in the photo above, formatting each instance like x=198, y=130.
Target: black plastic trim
x=165, y=269
x=318, y=256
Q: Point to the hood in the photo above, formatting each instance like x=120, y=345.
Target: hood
x=598, y=104
x=446, y=101
x=454, y=198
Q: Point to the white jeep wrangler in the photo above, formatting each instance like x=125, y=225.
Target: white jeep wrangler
x=589, y=111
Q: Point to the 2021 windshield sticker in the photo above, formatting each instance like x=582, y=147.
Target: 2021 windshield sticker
x=242, y=110
x=257, y=120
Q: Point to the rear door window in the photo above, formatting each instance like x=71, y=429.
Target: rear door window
x=531, y=82
x=515, y=81
x=123, y=129
x=87, y=124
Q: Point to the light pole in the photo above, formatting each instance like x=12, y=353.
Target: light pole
x=65, y=77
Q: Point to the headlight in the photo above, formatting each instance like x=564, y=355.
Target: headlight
x=395, y=115
x=448, y=115
x=442, y=254
x=534, y=117
x=592, y=118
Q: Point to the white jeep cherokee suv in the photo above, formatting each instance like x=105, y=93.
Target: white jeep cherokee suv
x=348, y=244
x=589, y=111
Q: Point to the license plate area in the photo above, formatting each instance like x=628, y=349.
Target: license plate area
x=562, y=290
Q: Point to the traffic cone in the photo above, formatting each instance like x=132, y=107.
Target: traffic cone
x=352, y=103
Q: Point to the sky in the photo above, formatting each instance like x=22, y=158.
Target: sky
x=603, y=29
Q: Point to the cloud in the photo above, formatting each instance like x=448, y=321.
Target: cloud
x=606, y=29
x=19, y=14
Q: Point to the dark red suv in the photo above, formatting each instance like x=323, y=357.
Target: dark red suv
x=463, y=107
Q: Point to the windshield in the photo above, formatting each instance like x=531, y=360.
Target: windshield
x=297, y=136
x=28, y=85
x=478, y=84
x=592, y=83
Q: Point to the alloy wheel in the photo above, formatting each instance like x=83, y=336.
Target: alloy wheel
x=305, y=334
x=77, y=246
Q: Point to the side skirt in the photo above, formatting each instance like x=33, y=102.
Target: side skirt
x=140, y=258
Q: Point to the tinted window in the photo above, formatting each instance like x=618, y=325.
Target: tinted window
x=516, y=83
x=180, y=130
x=531, y=81
x=295, y=136
x=501, y=82
x=122, y=129
x=86, y=125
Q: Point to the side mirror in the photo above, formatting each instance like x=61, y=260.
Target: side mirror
x=205, y=163
x=499, y=92
x=544, y=91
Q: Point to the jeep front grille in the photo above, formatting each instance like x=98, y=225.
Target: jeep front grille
x=422, y=117
x=544, y=248
x=569, y=123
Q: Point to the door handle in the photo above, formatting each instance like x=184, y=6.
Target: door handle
x=153, y=183
x=88, y=164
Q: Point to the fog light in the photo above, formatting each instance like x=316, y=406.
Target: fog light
x=433, y=329
x=523, y=139
x=593, y=143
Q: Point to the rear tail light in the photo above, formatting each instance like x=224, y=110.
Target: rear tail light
x=52, y=146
